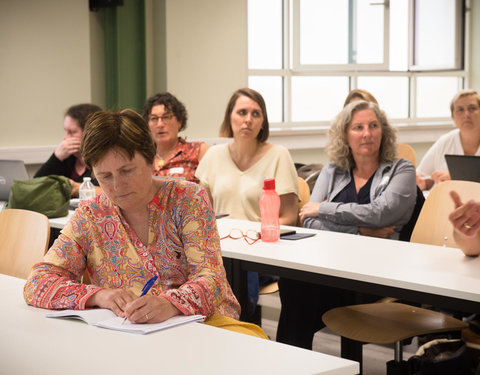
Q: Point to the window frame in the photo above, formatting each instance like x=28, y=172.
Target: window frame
x=410, y=128
x=349, y=67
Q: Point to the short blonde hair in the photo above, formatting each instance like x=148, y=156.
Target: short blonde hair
x=461, y=94
x=337, y=147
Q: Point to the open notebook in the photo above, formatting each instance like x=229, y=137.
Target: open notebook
x=107, y=319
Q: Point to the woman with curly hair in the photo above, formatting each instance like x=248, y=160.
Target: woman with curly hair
x=364, y=190
x=175, y=157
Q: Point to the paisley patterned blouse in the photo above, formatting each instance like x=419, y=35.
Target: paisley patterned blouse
x=183, y=163
x=183, y=250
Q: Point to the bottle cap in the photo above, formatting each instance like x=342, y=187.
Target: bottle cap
x=87, y=178
x=269, y=184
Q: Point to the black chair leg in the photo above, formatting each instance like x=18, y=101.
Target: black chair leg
x=398, y=366
x=351, y=349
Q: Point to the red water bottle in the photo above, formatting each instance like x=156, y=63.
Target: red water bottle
x=269, y=211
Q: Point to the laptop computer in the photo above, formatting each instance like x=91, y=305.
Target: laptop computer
x=463, y=167
x=10, y=170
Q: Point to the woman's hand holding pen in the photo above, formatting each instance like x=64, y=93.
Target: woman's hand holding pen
x=150, y=309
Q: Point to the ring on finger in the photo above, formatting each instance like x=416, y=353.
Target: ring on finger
x=146, y=316
x=466, y=225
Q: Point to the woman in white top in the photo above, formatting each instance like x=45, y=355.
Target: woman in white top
x=233, y=173
x=465, y=140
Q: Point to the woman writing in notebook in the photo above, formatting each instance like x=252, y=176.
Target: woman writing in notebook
x=174, y=157
x=138, y=228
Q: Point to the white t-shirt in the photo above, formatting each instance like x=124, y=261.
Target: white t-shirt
x=237, y=192
x=434, y=159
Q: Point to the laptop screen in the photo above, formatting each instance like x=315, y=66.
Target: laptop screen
x=10, y=170
x=463, y=167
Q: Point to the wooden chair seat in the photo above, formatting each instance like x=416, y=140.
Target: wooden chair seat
x=24, y=239
x=387, y=323
x=269, y=288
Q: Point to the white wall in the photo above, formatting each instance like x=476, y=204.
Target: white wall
x=44, y=68
x=206, y=58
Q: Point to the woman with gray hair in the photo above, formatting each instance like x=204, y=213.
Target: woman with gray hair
x=363, y=190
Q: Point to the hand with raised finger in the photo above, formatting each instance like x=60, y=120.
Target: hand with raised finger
x=150, y=309
x=465, y=218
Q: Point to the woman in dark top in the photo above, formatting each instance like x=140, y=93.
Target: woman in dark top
x=66, y=159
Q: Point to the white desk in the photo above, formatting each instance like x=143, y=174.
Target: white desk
x=437, y=275
x=30, y=343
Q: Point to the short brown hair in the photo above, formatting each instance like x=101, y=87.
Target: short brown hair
x=81, y=112
x=226, y=128
x=125, y=131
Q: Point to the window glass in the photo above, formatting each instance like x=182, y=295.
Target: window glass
x=323, y=32
x=265, y=34
x=271, y=90
x=390, y=92
x=369, y=33
x=398, y=35
x=434, y=95
x=317, y=98
x=434, y=34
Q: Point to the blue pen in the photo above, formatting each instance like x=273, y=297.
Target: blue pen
x=146, y=288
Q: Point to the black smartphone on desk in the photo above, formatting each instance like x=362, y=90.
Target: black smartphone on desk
x=290, y=234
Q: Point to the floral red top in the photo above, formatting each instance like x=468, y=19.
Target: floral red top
x=183, y=251
x=183, y=163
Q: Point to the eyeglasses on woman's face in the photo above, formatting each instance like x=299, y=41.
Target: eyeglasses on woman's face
x=167, y=118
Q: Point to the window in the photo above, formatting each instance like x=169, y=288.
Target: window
x=305, y=55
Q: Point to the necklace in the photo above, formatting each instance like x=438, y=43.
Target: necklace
x=160, y=162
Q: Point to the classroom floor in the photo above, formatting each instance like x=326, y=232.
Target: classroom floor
x=375, y=357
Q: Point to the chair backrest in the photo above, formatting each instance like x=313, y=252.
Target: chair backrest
x=310, y=173
x=24, y=239
x=406, y=232
x=433, y=226
x=303, y=193
x=404, y=150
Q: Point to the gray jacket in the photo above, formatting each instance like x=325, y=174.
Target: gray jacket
x=392, y=198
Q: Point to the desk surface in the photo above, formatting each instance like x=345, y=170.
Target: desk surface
x=30, y=343
x=433, y=270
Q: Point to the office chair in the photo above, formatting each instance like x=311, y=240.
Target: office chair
x=24, y=239
x=392, y=323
